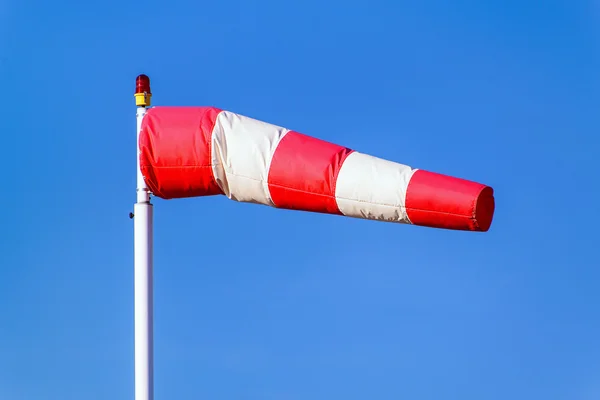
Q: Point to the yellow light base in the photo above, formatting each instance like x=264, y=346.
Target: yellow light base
x=143, y=99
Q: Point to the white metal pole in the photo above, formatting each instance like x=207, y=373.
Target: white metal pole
x=144, y=375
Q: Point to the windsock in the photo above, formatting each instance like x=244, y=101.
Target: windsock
x=204, y=151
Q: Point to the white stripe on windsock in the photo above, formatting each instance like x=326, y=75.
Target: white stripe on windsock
x=242, y=149
x=373, y=188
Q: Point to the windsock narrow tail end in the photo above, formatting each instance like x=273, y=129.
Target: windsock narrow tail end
x=441, y=201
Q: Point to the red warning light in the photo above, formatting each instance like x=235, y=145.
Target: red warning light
x=142, y=84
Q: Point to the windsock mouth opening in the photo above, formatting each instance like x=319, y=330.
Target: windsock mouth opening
x=485, y=205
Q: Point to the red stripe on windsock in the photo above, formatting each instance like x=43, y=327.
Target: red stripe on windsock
x=441, y=201
x=175, y=151
x=303, y=173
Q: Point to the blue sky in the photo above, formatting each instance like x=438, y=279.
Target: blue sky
x=258, y=303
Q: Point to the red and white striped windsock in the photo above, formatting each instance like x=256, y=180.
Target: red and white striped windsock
x=203, y=151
